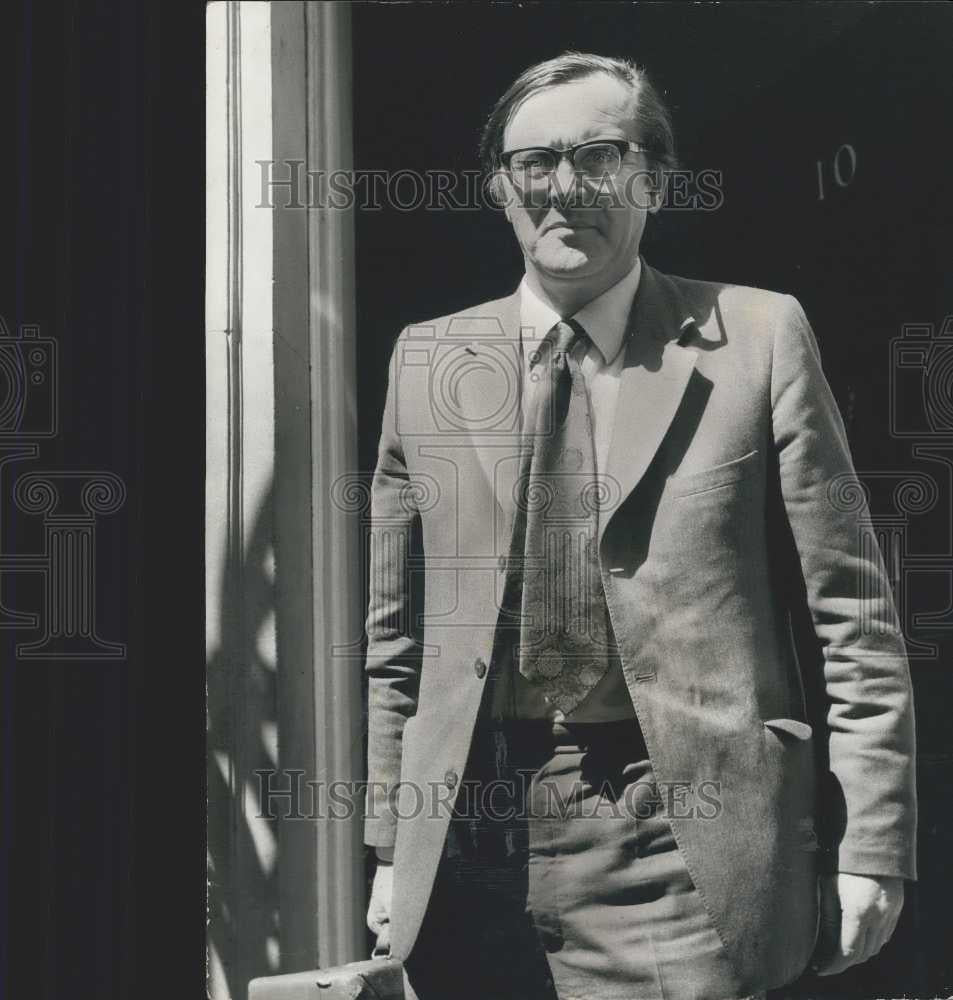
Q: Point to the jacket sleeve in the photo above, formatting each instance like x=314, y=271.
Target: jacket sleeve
x=393, y=652
x=866, y=674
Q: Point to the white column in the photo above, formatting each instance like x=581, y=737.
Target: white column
x=283, y=566
x=240, y=431
x=338, y=572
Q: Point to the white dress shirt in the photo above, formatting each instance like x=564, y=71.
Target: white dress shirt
x=604, y=319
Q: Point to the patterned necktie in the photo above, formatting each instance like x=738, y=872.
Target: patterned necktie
x=565, y=634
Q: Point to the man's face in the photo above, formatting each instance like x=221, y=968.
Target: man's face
x=584, y=241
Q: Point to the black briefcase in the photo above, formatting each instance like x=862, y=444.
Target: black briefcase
x=375, y=979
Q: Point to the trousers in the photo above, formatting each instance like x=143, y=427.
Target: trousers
x=560, y=878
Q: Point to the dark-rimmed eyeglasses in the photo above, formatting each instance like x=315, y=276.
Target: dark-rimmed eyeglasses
x=592, y=160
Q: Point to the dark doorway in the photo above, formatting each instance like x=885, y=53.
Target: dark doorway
x=825, y=124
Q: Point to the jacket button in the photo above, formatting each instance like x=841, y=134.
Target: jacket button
x=479, y=667
x=450, y=779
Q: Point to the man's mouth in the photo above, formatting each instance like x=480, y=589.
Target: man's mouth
x=567, y=224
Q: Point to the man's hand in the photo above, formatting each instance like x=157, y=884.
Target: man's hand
x=378, y=910
x=859, y=914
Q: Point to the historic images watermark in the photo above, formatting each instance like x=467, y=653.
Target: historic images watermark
x=284, y=794
x=920, y=373
x=459, y=423
x=287, y=185
x=69, y=501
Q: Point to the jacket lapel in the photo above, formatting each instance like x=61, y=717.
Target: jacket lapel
x=486, y=390
x=654, y=376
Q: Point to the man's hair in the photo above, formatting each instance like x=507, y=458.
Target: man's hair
x=652, y=118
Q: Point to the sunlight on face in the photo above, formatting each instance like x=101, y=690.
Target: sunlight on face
x=590, y=243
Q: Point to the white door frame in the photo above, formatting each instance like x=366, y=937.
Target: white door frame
x=284, y=574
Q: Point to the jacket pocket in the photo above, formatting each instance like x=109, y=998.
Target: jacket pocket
x=789, y=727
x=712, y=477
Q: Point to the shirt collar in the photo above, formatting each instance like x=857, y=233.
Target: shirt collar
x=604, y=318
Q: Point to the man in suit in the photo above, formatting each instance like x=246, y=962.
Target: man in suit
x=593, y=772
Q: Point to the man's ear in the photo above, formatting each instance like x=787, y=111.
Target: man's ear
x=657, y=194
x=502, y=193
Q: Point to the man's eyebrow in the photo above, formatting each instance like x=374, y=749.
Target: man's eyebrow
x=551, y=143
x=602, y=132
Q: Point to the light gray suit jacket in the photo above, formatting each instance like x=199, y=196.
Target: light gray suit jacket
x=733, y=498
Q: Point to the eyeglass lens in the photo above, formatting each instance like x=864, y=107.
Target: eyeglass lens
x=594, y=160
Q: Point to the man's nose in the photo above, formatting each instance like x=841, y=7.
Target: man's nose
x=563, y=181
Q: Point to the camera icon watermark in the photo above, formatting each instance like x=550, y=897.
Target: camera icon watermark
x=921, y=383
x=69, y=503
x=28, y=384
x=471, y=379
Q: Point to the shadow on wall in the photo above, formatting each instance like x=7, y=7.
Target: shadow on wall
x=243, y=931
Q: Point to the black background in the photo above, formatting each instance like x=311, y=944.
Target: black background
x=102, y=875
x=760, y=92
